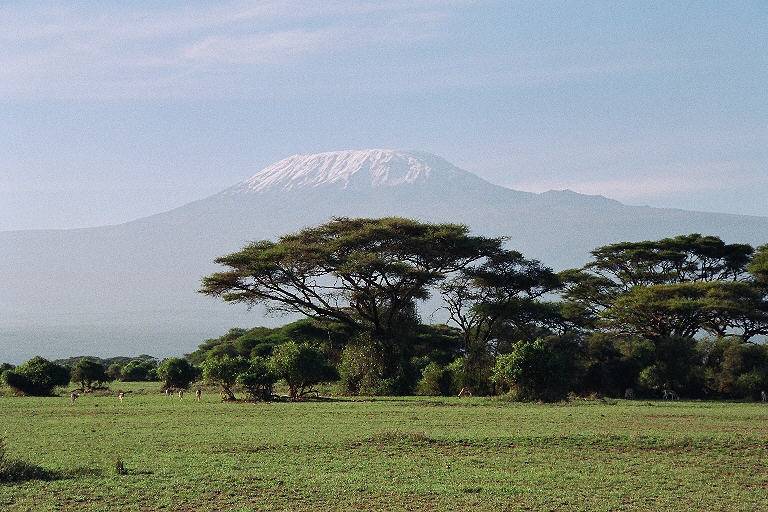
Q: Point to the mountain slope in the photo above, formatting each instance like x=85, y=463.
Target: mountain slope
x=131, y=288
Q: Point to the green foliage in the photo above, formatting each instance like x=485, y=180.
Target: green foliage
x=380, y=268
x=436, y=380
x=258, y=379
x=223, y=371
x=542, y=369
x=89, y=373
x=36, y=377
x=115, y=371
x=175, y=372
x=360, y=374
x=139, y=370
x=302, y=367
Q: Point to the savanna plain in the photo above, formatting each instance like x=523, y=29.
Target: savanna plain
x=411, y=453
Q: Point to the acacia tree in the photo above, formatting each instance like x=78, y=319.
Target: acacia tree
x=363, y=273
x=88, y=373
x=500, y=294
x=175, y=372
x=223, y=372
x=676, y=286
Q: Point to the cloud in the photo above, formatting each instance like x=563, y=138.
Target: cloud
x=62, y=51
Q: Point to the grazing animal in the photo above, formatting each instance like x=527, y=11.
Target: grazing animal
x=168, y=392
x=198, y=394
x=671, y=395
x=629, y=394
x=465, y=392
x=74, y=396
x=121, y=395
x=764, y=396
x=181, y=393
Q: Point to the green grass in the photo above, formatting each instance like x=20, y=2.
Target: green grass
x=385, y=454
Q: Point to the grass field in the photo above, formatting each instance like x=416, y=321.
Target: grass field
x=386, y=454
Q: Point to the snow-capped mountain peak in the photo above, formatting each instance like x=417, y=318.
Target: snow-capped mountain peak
x=370, y=168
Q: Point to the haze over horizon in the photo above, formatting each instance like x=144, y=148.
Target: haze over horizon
x=113, y=112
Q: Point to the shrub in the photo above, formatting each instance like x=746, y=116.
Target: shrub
x=302, y=367
x=223, y=371
x=139, y=370
x=542, y=369
x=36, y=377
x=435, y=381
x=175, y=372
x=89, y=374
x=359, y=373
x=115, y=371
x=258, y=379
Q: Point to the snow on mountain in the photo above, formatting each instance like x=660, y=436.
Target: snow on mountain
x=351, y=169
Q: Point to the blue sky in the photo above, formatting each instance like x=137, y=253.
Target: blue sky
x=114, y=110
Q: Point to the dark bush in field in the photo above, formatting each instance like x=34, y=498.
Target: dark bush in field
x=223, y=372
x=542, y=369
x=258, y=379
x=37, y=377
x=89, y=374
x=139, y=370
x=175, y=372
x=302, y=367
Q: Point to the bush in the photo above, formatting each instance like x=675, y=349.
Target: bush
x=223, y=371
x=175, y=372
x=139, y=370
x=36, y=377
x=543, y=369
x=258, y=379
x=115, y=371
x=302, y=367
x=89, y=374
x=435, y=381
x=359, y=373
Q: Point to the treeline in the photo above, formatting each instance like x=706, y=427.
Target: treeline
x=680, y=314
x=684, y=314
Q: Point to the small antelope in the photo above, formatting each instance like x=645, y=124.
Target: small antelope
x=198, y=394
x=763, y=396
x=629, y=394
x=181, y=393
x=74, y=396
x=121, y=395
x=465, y=392
x=671, y=395
x=168, y=392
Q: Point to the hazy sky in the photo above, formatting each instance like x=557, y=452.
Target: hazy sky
x=115, y=110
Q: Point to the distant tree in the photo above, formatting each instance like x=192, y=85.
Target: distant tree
x=258, y=379
x=5, y=367
x=175, y=372
x=224, y=371
x=619, y=268
x=88, y=373
x=362, y=273
x=302, y=367
x=115, y=371
x=140, y=370
x=37, y=377
x=500, y=295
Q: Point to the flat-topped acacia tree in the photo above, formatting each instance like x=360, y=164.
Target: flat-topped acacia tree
x=365, y=273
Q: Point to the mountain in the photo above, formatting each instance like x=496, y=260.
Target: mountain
x=131, y=288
